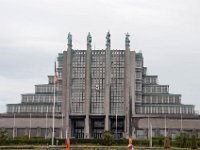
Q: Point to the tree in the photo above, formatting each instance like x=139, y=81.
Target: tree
x=3, y=135
x=107, y=138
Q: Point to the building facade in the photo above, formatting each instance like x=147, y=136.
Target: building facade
x=100, y=90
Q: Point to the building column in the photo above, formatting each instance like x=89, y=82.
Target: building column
x=107, y=83
x=129, y=86
x=87, y=87
x=67, y=86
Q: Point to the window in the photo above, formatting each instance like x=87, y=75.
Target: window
x=139, y=63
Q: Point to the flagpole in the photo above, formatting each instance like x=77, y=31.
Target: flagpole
x=29, y=135
x=14, y=127
x=54, y=97
x=165, y=127
x=181, y=118
x=116, y=126
x=46, y=126
x=148, y=127
x=66, y=134
x=62, y=127
x=151, y=135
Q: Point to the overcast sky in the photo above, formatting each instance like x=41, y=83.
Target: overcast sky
x=33, y=32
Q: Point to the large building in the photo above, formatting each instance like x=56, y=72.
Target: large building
x=100, y=90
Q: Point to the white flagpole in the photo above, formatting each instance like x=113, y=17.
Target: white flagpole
x=181, y=120
x=29, y=135
x=14, y=127
x=151, y=135
x=116, y=125
x=148, y=127
x=165, y=127
x=66, y=134
x=46, y=125
x=54, y=99
x=62, y=127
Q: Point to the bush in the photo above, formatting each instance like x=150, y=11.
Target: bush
x=26, y=140
x=194, y=142
x=3, y=135
x=183, y=140
x=107, y=138
x=157, y=141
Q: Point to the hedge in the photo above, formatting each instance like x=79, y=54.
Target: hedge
x=157, y=141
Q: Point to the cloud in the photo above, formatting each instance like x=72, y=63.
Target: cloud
x=33, y=32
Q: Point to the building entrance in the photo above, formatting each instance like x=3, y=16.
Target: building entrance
x=78, y=128
x=97, y=128
x=119, y=129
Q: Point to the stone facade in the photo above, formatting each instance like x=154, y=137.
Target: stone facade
x=95, y=89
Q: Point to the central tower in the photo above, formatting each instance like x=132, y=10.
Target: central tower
x=97, y=90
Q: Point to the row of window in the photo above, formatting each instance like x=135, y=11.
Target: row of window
x=138, y=75
x=138, y=97
x=97, y=107
x=80, y=98
x=78, y=65
x=98, y=74
x=79, y=52
x=60, y=63
x=164, y=110
x=37, y=98
x=51, y=79
x=117, y=108
x=32, y=108
x=98, y=85
x=78, y=57
x=98, y=59
x=156, y=89
x=117, y=73
x=138, y=86
x=77, y=107
x=98, y=52
x=97, y=65
x=78, y=61
x=78, y=86
x=119, y=52
x=150, y=80
x=60, y=75
x=144, y=70
x=44, y=89
x=78, y=94
x=139, y=63
x=78, y=73
x=161, y=99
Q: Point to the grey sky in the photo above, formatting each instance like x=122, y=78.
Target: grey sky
x=33, y=32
